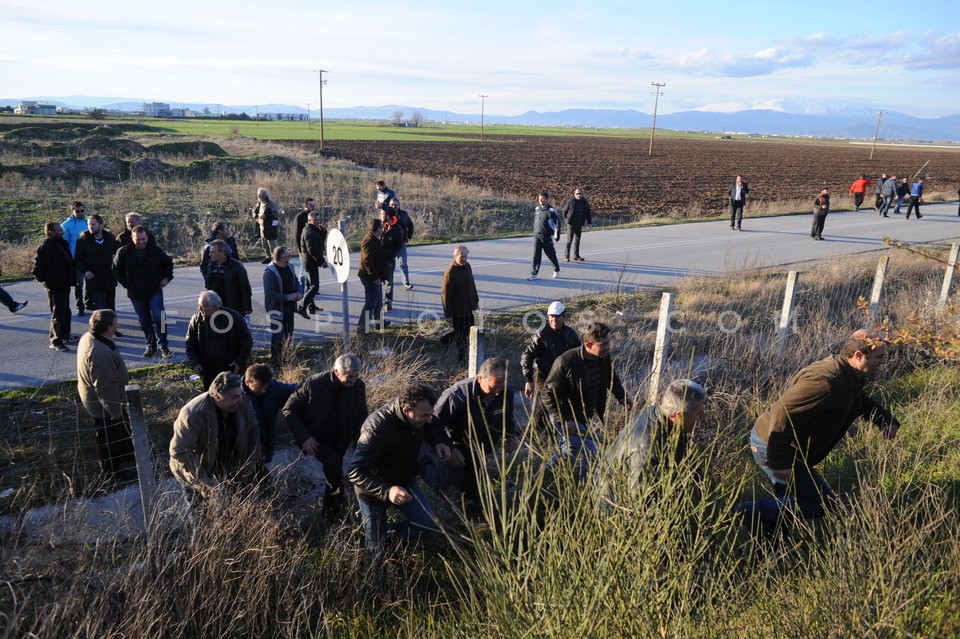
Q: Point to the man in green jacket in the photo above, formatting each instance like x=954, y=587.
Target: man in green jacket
x=458, y=294
x=800, y=429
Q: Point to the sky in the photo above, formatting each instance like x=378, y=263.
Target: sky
x=525, y=56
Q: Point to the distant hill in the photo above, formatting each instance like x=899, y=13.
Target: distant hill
x=833, y=120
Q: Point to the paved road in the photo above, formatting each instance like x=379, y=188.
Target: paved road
x=632, y=259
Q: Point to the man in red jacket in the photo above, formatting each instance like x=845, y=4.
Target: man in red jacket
x=858, y=190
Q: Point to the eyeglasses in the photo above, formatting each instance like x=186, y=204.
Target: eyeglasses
x=79, y=210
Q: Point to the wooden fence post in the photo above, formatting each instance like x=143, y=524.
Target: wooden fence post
x=141, y=448
x=476, y=356
x=661, y=347
x=878, y=288
x=948, y=276
x=786, y=312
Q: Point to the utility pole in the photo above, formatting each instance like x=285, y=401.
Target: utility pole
x=257, y=107
x=876, y=133
x=309, y=123
x=320, y=73
x=656, y=101
x=483, y=100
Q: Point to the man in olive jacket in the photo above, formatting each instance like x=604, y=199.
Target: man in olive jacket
x=53, y=267
x=101, y=382
x=575, y=394
x=385, y=466
x=800, y=429
x=458, y=294
x=325, y=414
x=215, y=440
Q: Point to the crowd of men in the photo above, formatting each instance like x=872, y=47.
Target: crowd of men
x=223, y=437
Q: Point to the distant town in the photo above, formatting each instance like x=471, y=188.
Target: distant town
x=152, y=110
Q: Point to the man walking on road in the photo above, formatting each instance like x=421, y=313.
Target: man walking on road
x=228, y=278
x=313, y=241
x=384, y=195
x=73, y=226
x=281, y=292
x=546, y=230
x=738, y=198
x=144, y=269
x=916, y=194
x=372, y=271
x=53, y=267
x=576, y=213
x=858, y=190
x=458, y=294
x=888, y=191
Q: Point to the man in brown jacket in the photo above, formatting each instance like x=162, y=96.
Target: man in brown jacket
x=216, y=440
x=458, y=293
x=372, y=271
x=811, y=417
x=101, y=381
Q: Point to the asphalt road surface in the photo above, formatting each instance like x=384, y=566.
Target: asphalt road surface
x=631, y=259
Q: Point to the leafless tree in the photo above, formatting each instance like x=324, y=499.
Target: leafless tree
x=397, y=118
x=416, y=118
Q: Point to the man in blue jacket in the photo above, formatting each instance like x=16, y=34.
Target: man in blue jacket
x=73, y=226
x=916, y=194
x=267, y=396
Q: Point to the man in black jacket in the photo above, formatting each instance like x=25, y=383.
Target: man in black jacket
x=300, y=222
x=393, y=240
x=576, y=213
x=53, y=266
x=407, y=223
x=478, y=415
x=313, y=242
x=738, y=198
x=575, y=394
x=542, y=349
x=228, y=277
x=385, y=466
x=94, y=260
x=217, y=339
x=144, y=269
x=219, y=231
x=324, y=415
x=267, y=396
x=546, y=231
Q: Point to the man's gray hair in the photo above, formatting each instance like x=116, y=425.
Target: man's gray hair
x=223, y=383
x=212, y=298
x=681, y=396
x=493, y=367
x=348, y=363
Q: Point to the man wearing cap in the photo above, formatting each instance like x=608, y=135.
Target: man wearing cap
x=542, y=349
x=801, y=427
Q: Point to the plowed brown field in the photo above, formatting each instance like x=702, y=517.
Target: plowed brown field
x=684, y=177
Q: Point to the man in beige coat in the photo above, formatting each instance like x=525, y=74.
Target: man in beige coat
x=199, y=460
x=101, y=378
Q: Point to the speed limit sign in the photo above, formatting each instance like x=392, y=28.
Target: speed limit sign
x=338, y=255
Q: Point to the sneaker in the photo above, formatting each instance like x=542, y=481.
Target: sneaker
x=18, y=307
x=556, y=275
x=531, y=278
x=408, y=287
x=59, y=347
x=72, y=338
x=165, y=353
x=302, y=312
x=566, y=259
x=919, y=216
x=149, y=352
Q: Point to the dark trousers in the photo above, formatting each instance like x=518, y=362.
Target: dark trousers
x=818, y=221
x=914, y=206
x=96, y=298
x=857, y=201
x=281, y=331
x=573, y=236
x=543, y=246
x=6, y=300
x=313, y=285
x=736, y=212
x=388, y=283
x=372, y=305
x=59, y=299
x=153, y=323
x=78, y=290
x=461, y=335
x=419, y=519
x=114, y=444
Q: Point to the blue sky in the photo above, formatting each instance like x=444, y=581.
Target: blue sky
x=525, y=55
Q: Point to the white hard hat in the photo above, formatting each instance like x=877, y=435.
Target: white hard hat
x=556, y=308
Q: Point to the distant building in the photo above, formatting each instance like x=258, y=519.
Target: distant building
x=157, y=110
x=284, y=117
x=34, y=108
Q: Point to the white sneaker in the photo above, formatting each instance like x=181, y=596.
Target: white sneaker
x=531, y=278
x=556, y=275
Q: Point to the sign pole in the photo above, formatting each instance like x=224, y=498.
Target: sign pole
x=338, y=255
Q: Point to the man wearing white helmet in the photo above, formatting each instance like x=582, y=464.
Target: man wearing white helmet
x=543, y=347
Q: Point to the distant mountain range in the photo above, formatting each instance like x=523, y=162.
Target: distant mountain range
x=832, y=120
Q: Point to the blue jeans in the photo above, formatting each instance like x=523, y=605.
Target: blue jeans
x=419, y=519
x=388, y=283
x=404, y=267
x=806, y=493
x=152, y=320
x=578, y=449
